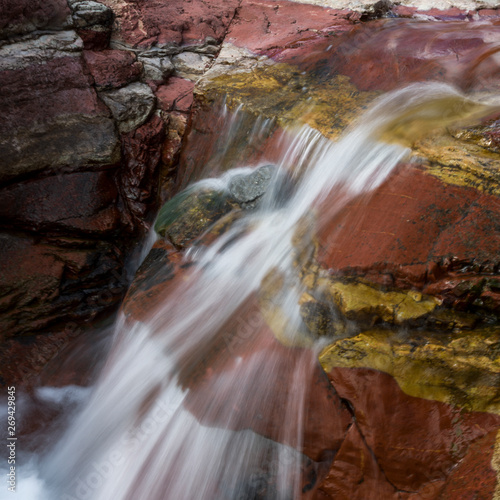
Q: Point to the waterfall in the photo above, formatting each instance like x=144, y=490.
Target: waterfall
x=208, y=398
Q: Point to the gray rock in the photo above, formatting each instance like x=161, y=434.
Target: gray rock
x=131, y=106
x=39, y=49
x=72, y=141
x=156, y=68
x=191, y=65
x=247, y=188
x=90, y=13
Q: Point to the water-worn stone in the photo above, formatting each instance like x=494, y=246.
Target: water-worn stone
x=247, y=188
x=131, y=105
x=415, y=441
x=461, y=369
x=112, y=69
x=190, y=213
x=363, y=302
x=49, y=281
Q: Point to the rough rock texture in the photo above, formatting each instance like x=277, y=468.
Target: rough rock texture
x=169, y=23
x=112, y=69
x=131, y=105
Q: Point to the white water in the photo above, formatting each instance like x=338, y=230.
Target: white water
x=139, y=436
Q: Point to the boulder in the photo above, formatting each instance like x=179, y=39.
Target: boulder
x=112, y=69
x=131, y=105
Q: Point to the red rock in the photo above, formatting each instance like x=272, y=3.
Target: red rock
x=24, y=16
x=171, y=22
x=112, y=68
x=474, y=477
x=141, y=158
x=407, y=214
x=176, y=95
x=415, y=441
x=355, y=474
x=278, y=30
x=403, y=11
x=53, y=119
x=81, y=202
x=458, y=53
x=44, y=282
x=94, y=39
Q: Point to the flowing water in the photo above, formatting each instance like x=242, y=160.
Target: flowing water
x=200, y=400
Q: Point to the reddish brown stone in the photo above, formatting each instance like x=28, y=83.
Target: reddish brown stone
x=94, y=39
x=40, y=92
x=460, y=53
x=355, y=474
x=156, y=279
x=81, y=202
x=281, y=30
x=415, y=441
x=171, y=22
x=176, y=95
x=24, y=16
x=46, y=282
x=474, y=477
x=142, y=153
x=112, y=68
x=397, y=225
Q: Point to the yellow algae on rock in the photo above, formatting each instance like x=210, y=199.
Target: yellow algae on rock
x=462, y=370
x=282, y=92
x=360, y=301
x=461, y=163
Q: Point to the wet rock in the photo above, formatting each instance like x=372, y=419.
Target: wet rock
x=19, y=17
x=361, y=302
x=139, y=174
x=112, y=69
x=81, y=203
x=45, y=282
x=131, y=105
x=355, y=473
x=415, y=441
x=245, y=188
x=190, y=213
x=457, y=369
x=190, y=64
x=157, y=68
x=476, y=476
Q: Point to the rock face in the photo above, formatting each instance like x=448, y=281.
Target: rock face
x=83, y=141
